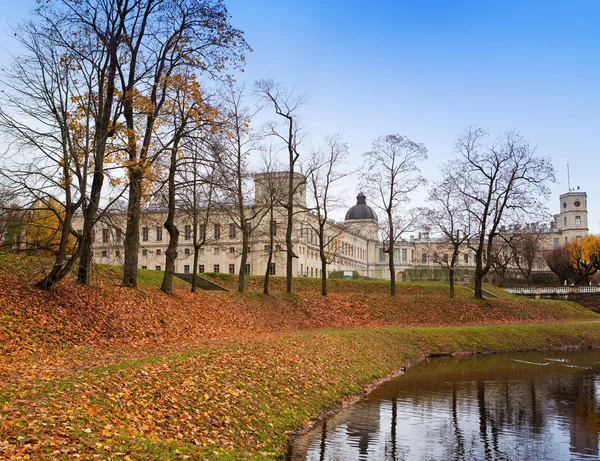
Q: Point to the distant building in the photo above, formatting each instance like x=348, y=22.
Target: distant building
x=357, y=247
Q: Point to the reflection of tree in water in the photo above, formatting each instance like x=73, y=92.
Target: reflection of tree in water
x=504, y=412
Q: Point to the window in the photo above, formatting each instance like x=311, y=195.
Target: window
x=117, y=253
x=119, y=234
x=445, y=258
x=381, y=254
x=267, y=248
x=104, y=253
x=424, y=258
x=232, y=250
x=247, y=269
x=201, y=268
x=216, y=250
x=145, y=234
x=272, y=269
x=144, y=252
x=104, y=235
x=93, y=236
x=187, y=232
x=80, y=233
x=578, y=220
x=159, y=234
x=301, y=269
x=232, y=268
x=396, y=255
x=577, y=203
x=556, y=243
x=273, y=227
x=231, y=231
x=565, y=221
x=158, y=268
x=186, y=269
x=540, y=264
x=404, y=255
x=201, y=230
x=217, y=231
x=201, y=251
x=158, y=252
x=144, y=267
x=466, y=257
x=216, y=268
x=186, y=251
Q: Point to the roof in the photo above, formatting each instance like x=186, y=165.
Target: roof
x=361, y=210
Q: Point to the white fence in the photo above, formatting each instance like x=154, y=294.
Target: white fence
x=553, y=290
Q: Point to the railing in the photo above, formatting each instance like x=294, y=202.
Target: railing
x=553, y=290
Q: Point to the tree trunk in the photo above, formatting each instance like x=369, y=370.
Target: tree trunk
x=244, y=259
x=171, y=253
x=267, y=273
x=57, y=272
x=323, y=275
x=89, y=219
x=451, y=278
x=132, y=231
x=194, y=274
x=289, y=258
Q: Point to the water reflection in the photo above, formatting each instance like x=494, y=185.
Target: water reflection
x=538, y=406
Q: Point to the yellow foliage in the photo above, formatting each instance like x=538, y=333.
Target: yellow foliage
x=44, y=225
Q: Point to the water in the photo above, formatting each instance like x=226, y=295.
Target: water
x=525, y=406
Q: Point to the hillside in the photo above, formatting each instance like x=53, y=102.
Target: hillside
x=115, y=373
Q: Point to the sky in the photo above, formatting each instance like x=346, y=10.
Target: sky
x=427, y=70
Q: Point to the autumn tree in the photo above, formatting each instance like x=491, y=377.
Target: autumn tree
x=187, y=118
x=504, y=182
x=324, y=174
x=289, y=133
x=162, y=37
x=585, y=258
x=449, y=217
x=392, y=173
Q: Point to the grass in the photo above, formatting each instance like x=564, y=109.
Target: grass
x=234, y=402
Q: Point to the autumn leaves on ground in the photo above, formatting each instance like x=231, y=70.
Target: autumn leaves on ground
x=106, y=372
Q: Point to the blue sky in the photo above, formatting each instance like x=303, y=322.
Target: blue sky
x=428, y=69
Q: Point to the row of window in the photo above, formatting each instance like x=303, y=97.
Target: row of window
x=217, y=269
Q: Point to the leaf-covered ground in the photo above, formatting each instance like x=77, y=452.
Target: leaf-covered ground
x=106, y=372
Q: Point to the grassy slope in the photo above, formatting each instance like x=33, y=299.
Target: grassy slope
x=115, y=372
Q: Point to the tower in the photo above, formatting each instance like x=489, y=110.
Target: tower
x=572, y=221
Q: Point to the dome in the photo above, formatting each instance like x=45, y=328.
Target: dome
x=361, y=210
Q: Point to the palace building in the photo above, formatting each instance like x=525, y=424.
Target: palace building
x=356, y=246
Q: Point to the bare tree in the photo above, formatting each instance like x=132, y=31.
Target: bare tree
x=287, y=106
x=239, y=143
x=164, y=35
x=324, y=174
x=505, y=182
x=199, y=178
x=45, y=116
x=273, y=191
x=526, y=247
x=450, y=218
x=392, y=173
x=559, y=261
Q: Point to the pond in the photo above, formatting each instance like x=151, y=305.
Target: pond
x=518, y=406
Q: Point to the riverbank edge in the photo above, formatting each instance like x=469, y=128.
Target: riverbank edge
x=253, y=397
x=552, y=334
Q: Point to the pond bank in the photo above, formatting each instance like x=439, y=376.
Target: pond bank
x=238, y=401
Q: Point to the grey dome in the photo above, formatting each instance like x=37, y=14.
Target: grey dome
x=361, y=210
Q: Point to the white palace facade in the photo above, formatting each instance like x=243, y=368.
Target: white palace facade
x=357, y=246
